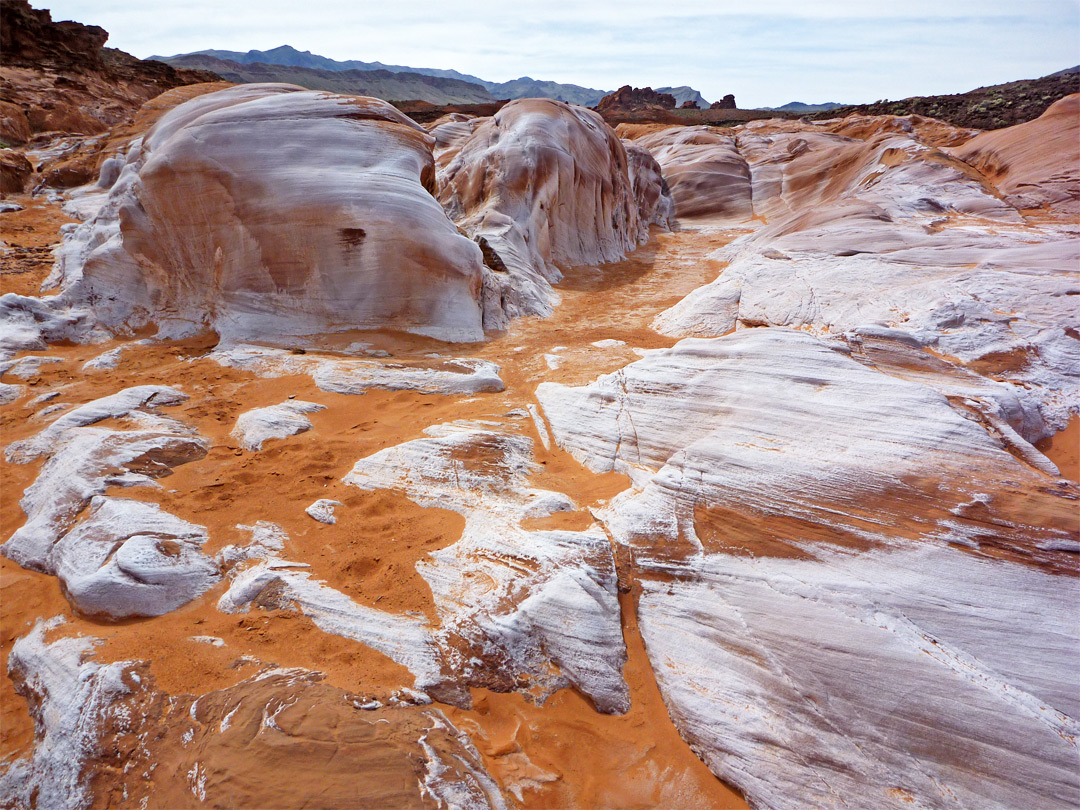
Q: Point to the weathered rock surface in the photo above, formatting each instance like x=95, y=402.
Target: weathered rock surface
x=536, y=610
x=1034, y=163
x=59, y=77
x=339, y=233
x=830, y=540
x=704, y=170
x=865, y=252
x=129, y=558
x=545, y=186
x=457, y=375
x=110, y=726
x=786, y=653
x=144, y=577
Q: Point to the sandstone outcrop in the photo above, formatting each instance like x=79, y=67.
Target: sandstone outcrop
x=59, y=77
x=763, y=545
x=704, y=170
x=628, y=104
x=338, y=232
x=1025, y=162
x=542, y=185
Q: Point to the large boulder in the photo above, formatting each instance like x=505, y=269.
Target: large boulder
x=707, y=174
x=542, y=185
x=267, y=211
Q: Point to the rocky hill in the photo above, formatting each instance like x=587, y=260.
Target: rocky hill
x=798, y=106
x=60, y=77
x=992, y=107
x=382, y=84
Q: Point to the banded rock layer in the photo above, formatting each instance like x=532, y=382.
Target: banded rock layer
x=264, y=211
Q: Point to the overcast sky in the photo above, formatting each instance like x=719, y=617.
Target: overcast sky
x=766, y=52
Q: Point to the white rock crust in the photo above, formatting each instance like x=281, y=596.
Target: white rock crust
x=256, y=427
x=129, y=558
x=323, y=511
x=84, y=461
x=69, y=697
x=523, y=600
x=273, y=582
x=458, y=375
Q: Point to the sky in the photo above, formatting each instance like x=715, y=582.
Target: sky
x=766, y=52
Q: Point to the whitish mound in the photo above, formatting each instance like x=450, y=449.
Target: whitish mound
x=541, y=185
x=706, y=173
x=130, y=558
x=268, y=211
x=253, y=428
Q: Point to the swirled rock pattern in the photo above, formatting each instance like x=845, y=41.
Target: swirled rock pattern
x=546, y=186
x=314, y=215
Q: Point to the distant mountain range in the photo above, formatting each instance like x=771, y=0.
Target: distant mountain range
x=385, y=84
x=286, y=64
x=798, y=106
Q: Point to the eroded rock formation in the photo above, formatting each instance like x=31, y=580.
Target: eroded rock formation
x=59, y=77
x=338, y=231
x=544, y=185
x=783, y=496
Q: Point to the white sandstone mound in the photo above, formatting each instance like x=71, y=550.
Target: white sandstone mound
x=254, y=428
x=545, y=185
x=703, y=168
x=267, y=211
x=85, y=461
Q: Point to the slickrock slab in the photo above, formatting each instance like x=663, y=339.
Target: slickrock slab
x=526, y=607
x=909, y=243
x=922, y=676
x=834, y=560
x=460, y=375
x=254, y=428
x=314, y=215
